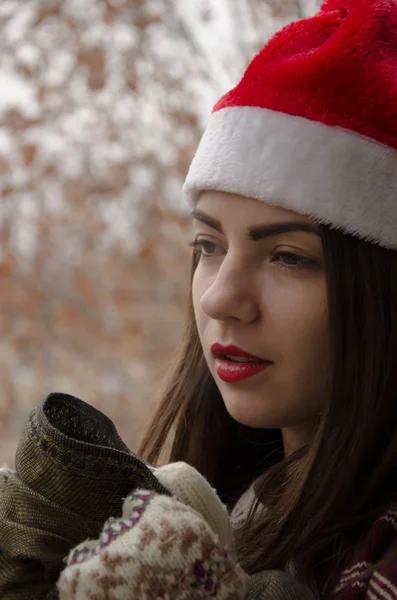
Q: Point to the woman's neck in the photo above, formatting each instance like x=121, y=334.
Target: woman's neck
x=296, y=437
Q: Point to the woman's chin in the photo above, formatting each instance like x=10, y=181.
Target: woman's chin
x=251, y=415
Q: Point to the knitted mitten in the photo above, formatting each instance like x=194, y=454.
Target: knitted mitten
x=173, y=548
x=190, y=487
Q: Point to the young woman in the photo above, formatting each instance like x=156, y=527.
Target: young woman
x=294, y=197
x=284, y=395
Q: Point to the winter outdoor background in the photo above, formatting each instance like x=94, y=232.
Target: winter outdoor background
x=102, y=103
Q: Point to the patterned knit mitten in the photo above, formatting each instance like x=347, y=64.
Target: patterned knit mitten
x=169, y=548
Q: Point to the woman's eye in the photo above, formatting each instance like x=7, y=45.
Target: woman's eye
x=206, y=248
x=292, y=260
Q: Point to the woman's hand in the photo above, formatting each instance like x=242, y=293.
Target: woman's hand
x=173, y=548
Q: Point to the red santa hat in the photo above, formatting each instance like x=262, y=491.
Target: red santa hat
x=312, y=125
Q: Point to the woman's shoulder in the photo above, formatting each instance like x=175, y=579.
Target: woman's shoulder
x=372, y=568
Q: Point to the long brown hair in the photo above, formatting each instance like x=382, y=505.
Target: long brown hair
x=347, y=475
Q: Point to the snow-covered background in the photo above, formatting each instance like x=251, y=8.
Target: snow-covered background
x=102, y=103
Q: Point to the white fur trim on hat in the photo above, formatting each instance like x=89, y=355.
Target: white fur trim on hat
x=334, y=175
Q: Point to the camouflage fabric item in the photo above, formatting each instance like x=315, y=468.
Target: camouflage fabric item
x=72, y=473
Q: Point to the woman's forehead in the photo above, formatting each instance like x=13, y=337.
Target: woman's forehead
x=228, y=207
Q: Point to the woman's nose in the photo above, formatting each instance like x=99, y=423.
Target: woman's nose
x=231, y=295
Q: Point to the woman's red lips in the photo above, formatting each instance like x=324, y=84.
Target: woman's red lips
x=219, y=350
x=230, y=370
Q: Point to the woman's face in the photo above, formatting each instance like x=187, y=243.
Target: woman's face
x=260, y=289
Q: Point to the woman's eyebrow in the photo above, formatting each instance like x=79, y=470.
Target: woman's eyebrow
x=260, y=232
x=200, y=216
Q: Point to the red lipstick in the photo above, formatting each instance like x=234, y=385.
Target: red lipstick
x=234, y=364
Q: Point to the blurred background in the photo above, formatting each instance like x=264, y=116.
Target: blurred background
x=102, y=103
